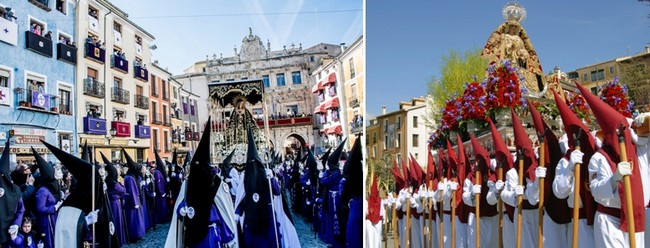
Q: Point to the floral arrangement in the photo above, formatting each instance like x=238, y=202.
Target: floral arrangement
x=503, y=86
x=436, y=139
x=473, y=102
x=615, y=95
x=579, y=106
x=451, y=115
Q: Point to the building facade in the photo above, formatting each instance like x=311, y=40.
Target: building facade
x=37, y=76
x=114, y=81
x=192, y=108
x=285, y=75
x=353, y=77
x=397, y=134
x=327, y=113
x=160, y=112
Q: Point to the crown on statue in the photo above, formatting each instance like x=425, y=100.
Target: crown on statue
x=513, y=11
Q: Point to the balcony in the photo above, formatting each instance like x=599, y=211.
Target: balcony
x=354, y=102
x=168, y=121
x=95, y=53
x=94, y=125
x=141, y=73
x=356, y=128
x=119, y=64
x=157, y=118
x=142, y=131
x=93, y=88
x=307, y=120
x=141, y=101
x=43, y=4
x=36, y=101
x=120, y=95
x=122, y=129
x=66, y=53
x=38, y=44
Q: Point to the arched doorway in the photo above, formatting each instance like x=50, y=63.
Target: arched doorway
x=292, y=145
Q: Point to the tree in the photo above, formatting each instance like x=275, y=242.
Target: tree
x=381, y=166
x=636, y=76
x=456, y=70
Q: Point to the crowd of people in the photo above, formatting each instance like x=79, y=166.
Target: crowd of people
x=95, y=42
x=86, y=201
x=567, y=191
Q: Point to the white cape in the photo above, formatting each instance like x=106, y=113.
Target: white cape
x=65, y=234
x=287, y=230
x=223, y=202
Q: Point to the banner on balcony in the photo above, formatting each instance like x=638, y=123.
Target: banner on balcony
x=8, y=31
x=40, y=100
x=4, y=96
x=65, y=145
x=138, y=49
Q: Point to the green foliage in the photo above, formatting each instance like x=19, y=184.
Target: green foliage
x=381, y=166
x=456, y=70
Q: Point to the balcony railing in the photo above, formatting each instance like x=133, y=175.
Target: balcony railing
x=93, y=88
x=38, y=44
x=157, y=118
x=119, y=64
x=95, y=53
x=141, y=101
x=356, y=127
x=65, y=109
x=168, y=120
x=38, y=101
x=354, y=102
x=120, y=95
x=307, y=120
x=66, y=53
x=43, y=4
x=141, y=73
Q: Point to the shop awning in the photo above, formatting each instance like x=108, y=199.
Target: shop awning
x=335, y=130
x=317, y=87
x=332, y=103
x=331, y=79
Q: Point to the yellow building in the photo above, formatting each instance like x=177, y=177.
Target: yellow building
x=353, y=67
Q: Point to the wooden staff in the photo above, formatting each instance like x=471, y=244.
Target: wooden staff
x=477, y=199
x=395, y=227
x=500, y=204
x=576, y=193
x=520, y=198
x=441, y=224
x=431, y=213
x=453, y=215
x=407, y=225
x=540, y=209
x=627, y=187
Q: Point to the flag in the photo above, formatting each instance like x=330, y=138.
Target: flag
x=8, y=31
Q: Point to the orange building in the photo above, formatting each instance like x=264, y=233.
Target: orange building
x=159, y=111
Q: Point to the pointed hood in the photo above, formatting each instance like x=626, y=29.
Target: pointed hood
x=463, y=162
x=312, y=165
x=257, y=200
x=501, y=151
x=353, y=173
x=610, y=121
x=523, y=143
x=134, y=168
x=482, y=156
x=452, y=161
x=374, y=203
x=572, y=126
x=334, y=159
x=12, y=195
x=85, y=152
x=324, y=157
x=417, y=170
x=81, y=170
x=399, y=180
x=442, y=164
x=431, y=170
x=47, y=176
x=111, y=171
x=160, y=165
x=226, y=164
x=201, y=189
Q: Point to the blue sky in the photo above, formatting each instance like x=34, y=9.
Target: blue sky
x=187, y=31
x=406, y=41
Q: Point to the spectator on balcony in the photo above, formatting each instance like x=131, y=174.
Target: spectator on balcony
x=290, y=113
x=144, y=66
x=38, y=30
x=136, y=63
x=7, y=13
x=48, y=35
x=63, y=40
x=90, y=39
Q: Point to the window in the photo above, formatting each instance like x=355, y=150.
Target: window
x=93, y=12
x=166, y=140
x=594, y=90
x=292, y=110
x=611, y=70
x=116, y=155
x=117, y=83
x=374, y=151
x=584, y=77
x=230, y=80
x=386, y=125
x=156, y=140
x=4, y=78
x=597, y=75
x=62, y=6
x=138, y=40
x=374, y=137
x=64, y=39
x=154, y=86
x=385, y=142
x=92, y=73
x=64, y=141
x=64, y=104
x=295, y=77
x=398, y=140
x=415, y=122
x=352, y=72
x=37, y=26
x=138, y=90
x=399, y=122
x=119, y=115
x=244, y=78
x=280, y=79
x=415, y=140
x=34, y=84
x=175, y=92
x=312, y=59
x=117, y=27
x=265, y=80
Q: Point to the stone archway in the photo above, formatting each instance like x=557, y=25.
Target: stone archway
x=292, y=143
